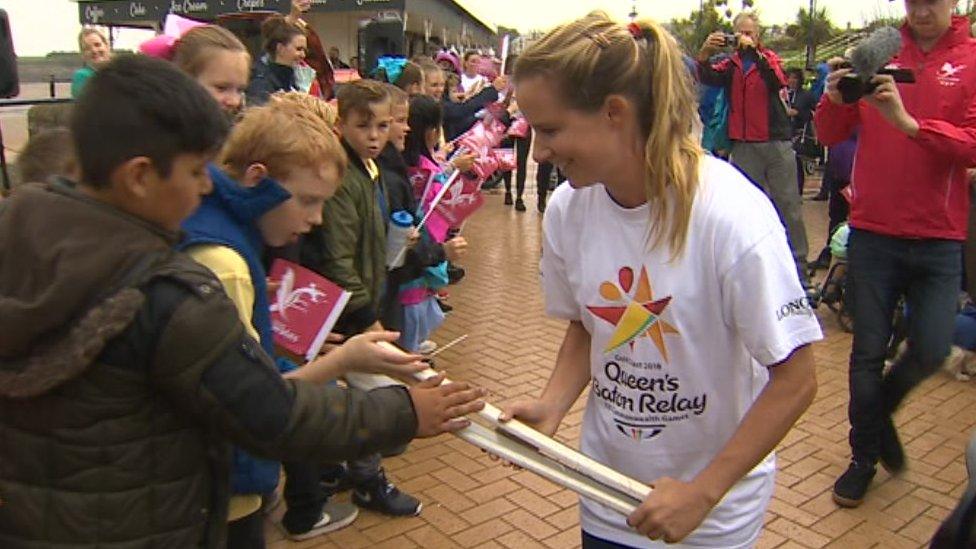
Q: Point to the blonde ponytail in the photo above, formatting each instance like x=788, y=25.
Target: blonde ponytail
x=592, y=58
x=672, y=153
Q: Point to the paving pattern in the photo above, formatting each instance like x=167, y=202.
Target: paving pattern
x=470, y=501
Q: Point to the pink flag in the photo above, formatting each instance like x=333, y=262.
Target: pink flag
x=506, y=158
x=463, y=199
x=436, y=224
x=519, y=128
x=419, y=180
x=305, y=308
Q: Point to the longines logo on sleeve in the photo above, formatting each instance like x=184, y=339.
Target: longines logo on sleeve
x=797, y=307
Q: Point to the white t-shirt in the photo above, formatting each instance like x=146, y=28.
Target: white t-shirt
x=679, y=350
x=469, y=82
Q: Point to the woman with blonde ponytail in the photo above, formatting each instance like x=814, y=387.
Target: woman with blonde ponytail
x=686, y=317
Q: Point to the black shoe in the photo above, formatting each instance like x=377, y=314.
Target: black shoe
x=519, y=205
x=892, y=452
x=508, y=199
x=822, y=262
x=454, y=274
x=381, y=495
x=850, y=488
x=541, y=206
x=445, y=308
x=335, y=479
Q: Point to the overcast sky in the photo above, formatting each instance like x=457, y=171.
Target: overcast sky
x=40, y=26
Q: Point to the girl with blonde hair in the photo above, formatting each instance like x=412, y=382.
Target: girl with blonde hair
x=218, y=61
x=686, y=317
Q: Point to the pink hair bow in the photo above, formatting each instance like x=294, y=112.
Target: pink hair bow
x=164, y=45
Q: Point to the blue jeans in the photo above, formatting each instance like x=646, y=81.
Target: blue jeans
x=883, y=269
x=592, y=542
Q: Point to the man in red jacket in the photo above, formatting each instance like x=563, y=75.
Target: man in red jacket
x=909, y=220
x=759, y=124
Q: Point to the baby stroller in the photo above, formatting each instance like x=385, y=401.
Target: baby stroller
x=832, y=291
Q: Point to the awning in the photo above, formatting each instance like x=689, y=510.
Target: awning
x=149, y=13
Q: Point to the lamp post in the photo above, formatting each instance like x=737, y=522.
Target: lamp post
x=811, y=45
x=633, y=11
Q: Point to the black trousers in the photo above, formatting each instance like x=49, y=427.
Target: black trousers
x=522, y=146
x=542, y=179
x=246, y=532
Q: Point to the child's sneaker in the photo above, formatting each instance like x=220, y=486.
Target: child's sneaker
x=335, y=480
x=426, y=347
x=334, y=516
x=381, y=495
x=454, y=274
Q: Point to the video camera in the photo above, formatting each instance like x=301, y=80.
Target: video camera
x=853, y=87
x=869, y=59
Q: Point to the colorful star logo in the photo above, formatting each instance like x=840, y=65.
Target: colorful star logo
x=637, y=316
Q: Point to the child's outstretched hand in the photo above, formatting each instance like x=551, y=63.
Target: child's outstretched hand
x=413, y=238
x=464, y=162
x=441, y=408
x=332, y=342
x=365, y=354
x=455, y=249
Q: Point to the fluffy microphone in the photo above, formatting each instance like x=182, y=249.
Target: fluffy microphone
x=869, y=59
x=875, y=51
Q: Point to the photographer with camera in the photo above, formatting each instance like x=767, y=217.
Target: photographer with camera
x=908, y=213
x=759, y=124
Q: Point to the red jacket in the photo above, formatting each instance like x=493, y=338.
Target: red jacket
x=915, y=187
x=757, y=97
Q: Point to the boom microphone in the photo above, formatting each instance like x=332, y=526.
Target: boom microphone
x=874, y=52
x=868, y=59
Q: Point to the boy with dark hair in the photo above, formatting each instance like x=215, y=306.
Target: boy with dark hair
x=125, y=372
x=350, y=250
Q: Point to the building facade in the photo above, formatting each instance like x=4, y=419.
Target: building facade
x=426, y=24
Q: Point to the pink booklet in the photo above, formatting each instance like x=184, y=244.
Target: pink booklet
x=305, y=308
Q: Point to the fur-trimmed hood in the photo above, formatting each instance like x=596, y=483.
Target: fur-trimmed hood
x=65, y=263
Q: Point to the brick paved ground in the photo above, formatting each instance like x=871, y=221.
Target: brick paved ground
x=471, y=502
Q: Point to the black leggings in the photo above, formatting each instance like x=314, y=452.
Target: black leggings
x=542, y=175
x=522, y=146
